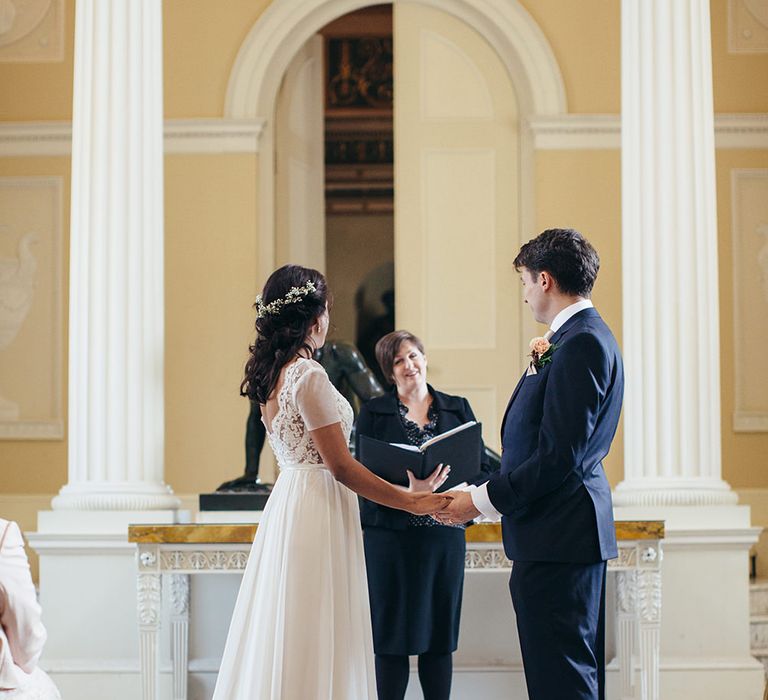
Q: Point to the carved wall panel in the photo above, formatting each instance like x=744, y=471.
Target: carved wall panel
x=748, y=26
x=749, y=202
x=30, y=308
x=31, y=31
x=452, y=178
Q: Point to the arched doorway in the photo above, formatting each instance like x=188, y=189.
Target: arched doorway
x=281, y=32
x=466, y=308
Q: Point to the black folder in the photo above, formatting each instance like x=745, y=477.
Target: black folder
x=460, y=447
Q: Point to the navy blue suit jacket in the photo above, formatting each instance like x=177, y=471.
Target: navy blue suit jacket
x=551, y=490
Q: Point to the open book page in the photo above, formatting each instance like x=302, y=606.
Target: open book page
x=446, y=434
x=403, y=446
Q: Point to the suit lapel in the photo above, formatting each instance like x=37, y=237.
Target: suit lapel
x=509, y=404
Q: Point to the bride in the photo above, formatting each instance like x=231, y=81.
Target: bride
x=301, y=626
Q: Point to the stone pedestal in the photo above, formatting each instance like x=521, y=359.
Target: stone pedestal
x=705, y=650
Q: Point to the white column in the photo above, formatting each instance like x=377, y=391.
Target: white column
x=670, y=271
x=116, y=261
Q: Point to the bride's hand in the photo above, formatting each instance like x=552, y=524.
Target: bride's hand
x=426, y=503
x=433, y=482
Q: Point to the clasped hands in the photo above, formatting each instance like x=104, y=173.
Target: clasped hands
x=457, y=506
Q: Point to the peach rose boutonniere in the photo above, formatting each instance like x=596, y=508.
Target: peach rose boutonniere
x=541, y=352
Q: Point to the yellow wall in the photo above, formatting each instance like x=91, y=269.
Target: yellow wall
x=211, y=223
x=585, y=37
x=40, y=91
x=200, y=43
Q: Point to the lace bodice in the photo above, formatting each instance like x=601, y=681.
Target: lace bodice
x=306, y=401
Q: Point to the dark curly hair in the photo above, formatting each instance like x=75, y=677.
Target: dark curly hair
x=566, y=255
x=281, y=336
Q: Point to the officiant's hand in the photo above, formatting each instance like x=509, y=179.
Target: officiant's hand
x=433, y=482
x=427, y=503
x=460, y=510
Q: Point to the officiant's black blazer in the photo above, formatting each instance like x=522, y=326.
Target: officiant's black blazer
x=558, y=428
x=379, y=419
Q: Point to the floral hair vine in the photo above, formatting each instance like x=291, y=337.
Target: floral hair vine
x=293, y=295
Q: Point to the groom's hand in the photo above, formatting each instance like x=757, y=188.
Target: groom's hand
x=460, y=510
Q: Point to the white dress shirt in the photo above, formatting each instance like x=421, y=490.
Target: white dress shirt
x=479, y=494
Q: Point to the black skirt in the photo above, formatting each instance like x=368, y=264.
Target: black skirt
x=415, y=582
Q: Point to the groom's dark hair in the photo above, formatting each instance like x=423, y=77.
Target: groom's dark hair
x=566, y=255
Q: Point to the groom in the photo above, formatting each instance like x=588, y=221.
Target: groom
x=551, y=492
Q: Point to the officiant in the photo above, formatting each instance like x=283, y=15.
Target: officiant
x=415, y=565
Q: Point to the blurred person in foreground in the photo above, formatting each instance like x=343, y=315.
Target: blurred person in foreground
x=22, y=634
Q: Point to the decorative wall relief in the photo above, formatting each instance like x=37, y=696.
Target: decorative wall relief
x=749, y=201
x=31, y=31
x=748, y=26
x=30, y=308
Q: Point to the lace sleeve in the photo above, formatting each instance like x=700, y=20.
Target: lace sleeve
x=316, y=399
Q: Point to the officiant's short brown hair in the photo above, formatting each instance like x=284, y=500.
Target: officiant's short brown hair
x=566, y=255
x=389, y=345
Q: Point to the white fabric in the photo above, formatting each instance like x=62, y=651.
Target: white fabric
x=37, y=686
x=567, y=312
x=301, y=626
x=479, y=495
x=315, y=398
x=481, y=501
x=22, y=634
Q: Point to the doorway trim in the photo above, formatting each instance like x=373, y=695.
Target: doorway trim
x=281, y=31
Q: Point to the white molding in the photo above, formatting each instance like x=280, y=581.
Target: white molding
x=743, y=421
x=51, y=544
x=212, y=135
x=603, y=131
x=748, y=130
x=180, y=136
x=730, y=538
x=567, y=132
x=576, y=131
x=281, y=31
x=750, y=422
x=35, y=138
x=32, y=430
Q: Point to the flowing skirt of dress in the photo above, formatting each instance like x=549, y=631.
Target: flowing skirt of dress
x=301, y=627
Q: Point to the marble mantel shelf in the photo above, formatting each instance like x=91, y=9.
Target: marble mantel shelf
x=244, y=533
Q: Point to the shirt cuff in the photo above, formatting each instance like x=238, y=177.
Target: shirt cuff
x=482, y=502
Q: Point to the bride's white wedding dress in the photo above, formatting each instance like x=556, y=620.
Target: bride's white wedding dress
x=301, y=627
